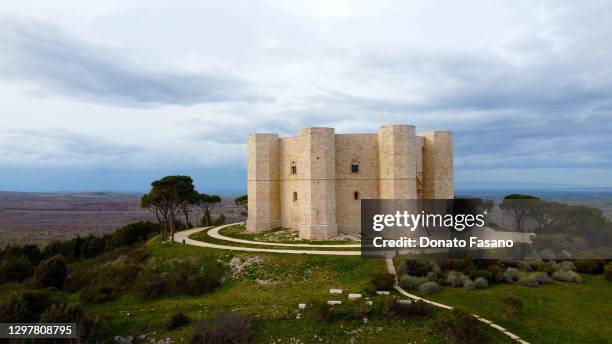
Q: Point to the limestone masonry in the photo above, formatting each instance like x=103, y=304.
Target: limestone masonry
x=314, y=182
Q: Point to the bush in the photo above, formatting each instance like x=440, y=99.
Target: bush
x=590, y=266
x=429, y=287
x=71, y=313
x=388, y=306
x=456, y=279
x=527, y=264
x=412, y=282
x=481, y=283
x=458, y=326
x=495, y=274
x=51, y=273
x=529, y=281
x=469, y=284
x=565, y=266
x=361, y=308
x=149, y=285
x=511, y=275
x=608, y=272
x=383, y=281
x=418, y=268
x=567, y=276
x=177, y=320
x=15, y=269
x=186, y=278
x=201, y=283
x=318, y=310
x=25, y=306
x=109, y=282
x=391, y=307
x=542, y=277
x=512, y=306
x=227, y=327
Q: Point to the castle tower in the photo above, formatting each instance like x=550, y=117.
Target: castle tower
x=263, y=182
x=318, y=219
x=397, y=162
x=438, y=165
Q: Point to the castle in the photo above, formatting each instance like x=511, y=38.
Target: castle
x=314, y=182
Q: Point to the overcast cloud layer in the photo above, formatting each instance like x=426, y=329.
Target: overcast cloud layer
x=146, y=88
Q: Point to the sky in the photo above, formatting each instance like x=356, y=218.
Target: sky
x=109, y=95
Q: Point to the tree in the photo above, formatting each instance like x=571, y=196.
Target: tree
x=242, y=202
x=193, y=198
x=159, y=207
x=207, y=203
x=518, y=206
x=167, y=198
x=51, y=273
x=15, y=269
x=546, y=214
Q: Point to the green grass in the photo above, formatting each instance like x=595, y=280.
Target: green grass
x=203, y=236
x=552, y=313
x=290, y=279
x=279, y=235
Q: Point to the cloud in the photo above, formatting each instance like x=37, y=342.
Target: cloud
x=61, y=148
x=523, y=86
x=42, y=56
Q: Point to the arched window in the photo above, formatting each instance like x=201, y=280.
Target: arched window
x=356, y=195
x=293, y=168
x=295, y=196
x=355, y=166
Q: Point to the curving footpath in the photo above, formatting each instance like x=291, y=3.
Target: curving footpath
x=184, y=237
x=215, y=234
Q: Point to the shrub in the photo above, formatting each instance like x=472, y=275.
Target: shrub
x=25, y=306
x=15, y=269
x=512, y=306
x=383, y=281
x=469, y=284
x=608, y=272
x=434, y=276
x=529, y=281
x=542, y=277
x=71, y=313
x=456, y=279
x=110, y=281
x=51, y=273
x=149, y=285
x=201, y=283
x=177, y=320
x=227, y=327
x=412, y=282
x=481, y=283
x=392, y=307
x=495, y=274
x=567, y=276
x=318, y=310
x=590, y=266
x=429, y=287
x=565, y=266
x=546, y=267
x=388, y=306
x=527, y=264
x=186, y=278
x=458, y=326
x=415, y=308
x=414, y=267
x=361, y=308
x=511, y=275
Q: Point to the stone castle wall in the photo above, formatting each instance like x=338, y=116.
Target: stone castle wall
x=323, y=196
